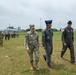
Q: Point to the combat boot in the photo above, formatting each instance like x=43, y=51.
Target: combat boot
x=49, y=65
x=44, y=56
x=32, y=66
x=62, y=54
x=36, y=66
x=72, y=61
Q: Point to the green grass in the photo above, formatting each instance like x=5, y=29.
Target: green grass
x=14, y=59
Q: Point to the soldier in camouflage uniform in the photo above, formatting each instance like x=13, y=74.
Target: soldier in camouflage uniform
x=1, y=38
x=68, y=41
x=47, y=42
x=32, y=45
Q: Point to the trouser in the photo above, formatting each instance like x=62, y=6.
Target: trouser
x=6, y=37
x=14, y=35
x=34, y=50
x=48, y=55
x=71, y=48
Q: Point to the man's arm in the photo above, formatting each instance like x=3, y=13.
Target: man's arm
x=44, y=39
x=37, y=38
x=26, y=40
x=63, y=36
x=73, y=36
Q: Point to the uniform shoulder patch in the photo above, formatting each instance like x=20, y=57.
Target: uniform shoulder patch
x=63, y=29
x=43, y=33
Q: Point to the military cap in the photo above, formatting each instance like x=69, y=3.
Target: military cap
x=32, y=26
x=69, y=22
x=48, y=21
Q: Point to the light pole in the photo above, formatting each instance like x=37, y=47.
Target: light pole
x=40, y=23
x=59, y=25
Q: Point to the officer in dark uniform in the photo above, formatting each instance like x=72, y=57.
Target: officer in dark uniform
x=47, y=42
x=68, y=41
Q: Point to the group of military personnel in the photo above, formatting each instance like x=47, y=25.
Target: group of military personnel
x=32, y=43
x=1, y=38
x=9, y=34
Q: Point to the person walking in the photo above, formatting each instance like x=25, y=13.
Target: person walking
x=47, y=36
x=68, y=41
x=32, y=46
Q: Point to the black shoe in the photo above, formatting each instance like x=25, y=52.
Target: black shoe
x=61, y=56
x=44, y=57
x=49, y=65
x=72, y=62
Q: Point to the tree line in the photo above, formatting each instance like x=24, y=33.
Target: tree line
x=39, y=30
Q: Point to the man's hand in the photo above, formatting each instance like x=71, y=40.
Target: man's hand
x=64, y=44
x=28, y=49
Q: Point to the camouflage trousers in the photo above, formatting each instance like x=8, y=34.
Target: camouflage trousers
x=34, y=50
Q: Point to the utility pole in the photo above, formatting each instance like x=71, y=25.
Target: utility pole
x=60, y=26
x=40, y=23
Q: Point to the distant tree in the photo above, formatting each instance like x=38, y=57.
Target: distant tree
x=27, y=30
x=60, y=29
x=39, y=30
x=10, y=27
x=54, y=29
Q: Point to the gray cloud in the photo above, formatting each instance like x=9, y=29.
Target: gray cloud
x=25, y=12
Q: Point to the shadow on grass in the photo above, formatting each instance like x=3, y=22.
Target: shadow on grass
x=46, y=71
x=24, y=70
x=58, y=66
x=43, y=71
x=65, y=59
x=69, y=61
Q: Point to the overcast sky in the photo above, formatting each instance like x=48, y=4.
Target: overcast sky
x=25, y=12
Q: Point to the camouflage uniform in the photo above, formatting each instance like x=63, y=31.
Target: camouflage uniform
x=32, y=41
x=1, y=38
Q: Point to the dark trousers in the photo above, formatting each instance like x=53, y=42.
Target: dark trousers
x=71, y=48
x=7, y=37
x=48, y=55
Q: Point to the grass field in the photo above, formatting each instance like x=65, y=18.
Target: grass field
x=14, y=59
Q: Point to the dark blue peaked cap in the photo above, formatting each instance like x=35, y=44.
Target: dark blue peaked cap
x=48, y=21
x=69, y=22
